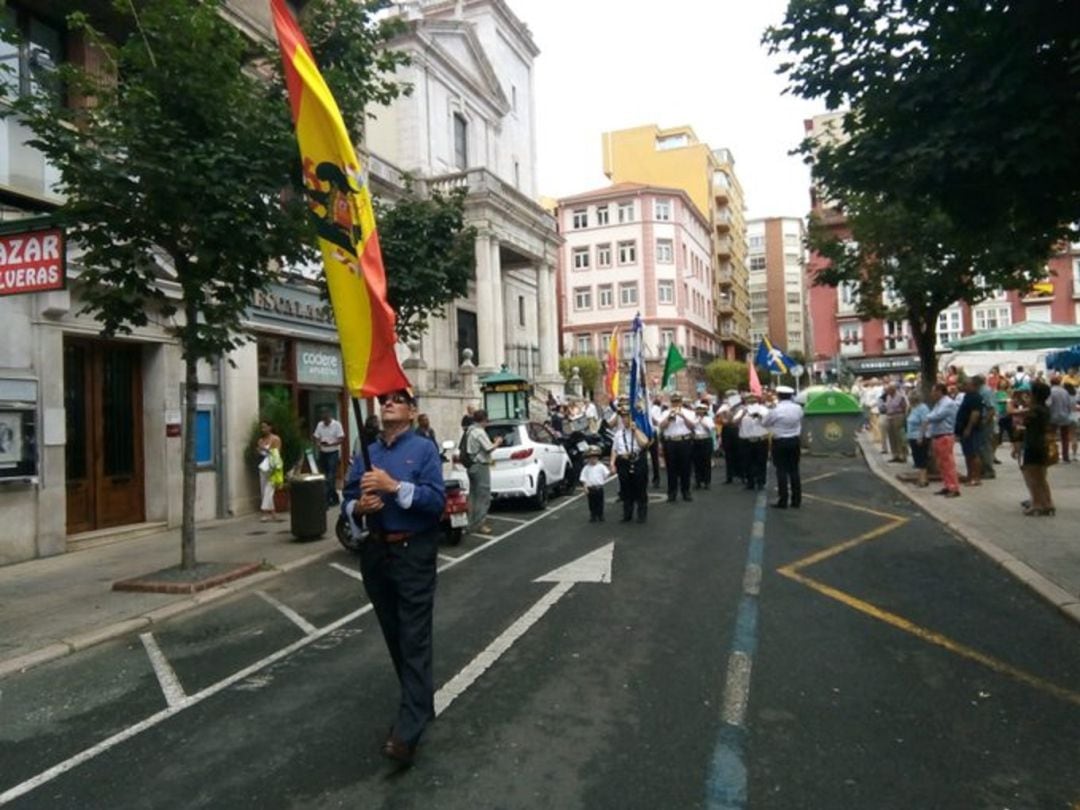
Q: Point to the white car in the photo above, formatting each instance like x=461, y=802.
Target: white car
x=529, y=463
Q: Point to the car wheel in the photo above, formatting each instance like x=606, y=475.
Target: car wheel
x=344, y=535
x=539, y=500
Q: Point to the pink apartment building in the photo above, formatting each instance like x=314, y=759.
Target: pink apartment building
x=633, y=248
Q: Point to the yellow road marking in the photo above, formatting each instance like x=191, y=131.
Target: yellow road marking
x=792, y=571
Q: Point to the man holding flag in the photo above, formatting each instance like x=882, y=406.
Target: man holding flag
x=633, y=435
x=395, y=487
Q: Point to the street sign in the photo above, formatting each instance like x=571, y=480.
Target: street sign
x=798, y=370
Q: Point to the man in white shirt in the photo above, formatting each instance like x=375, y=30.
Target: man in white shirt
x=785, y=422
x=677, y=428
x=753, y=440
x=701, y=452
x=628, y=462
x=656, y=414
x=729, y=434
x=328, y=436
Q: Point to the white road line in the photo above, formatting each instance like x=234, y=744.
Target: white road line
x=446, y=558
x=349, y=572
x=289, y=613
x=507, y=519
x=166, y=675
x=467, y=677
x=153, y=720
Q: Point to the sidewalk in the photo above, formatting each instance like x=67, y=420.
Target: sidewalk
x=1042, y=552
x=54, y=606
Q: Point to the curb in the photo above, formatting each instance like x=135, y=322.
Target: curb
x=91, y=638
x=1066, y=603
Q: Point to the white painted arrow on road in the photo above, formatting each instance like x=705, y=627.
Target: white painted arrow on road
x=593, y=567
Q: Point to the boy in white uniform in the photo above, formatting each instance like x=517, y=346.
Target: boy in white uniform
x=593, y=476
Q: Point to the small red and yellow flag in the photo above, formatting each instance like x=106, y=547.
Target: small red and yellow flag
x=611, y=375
x=340, y=203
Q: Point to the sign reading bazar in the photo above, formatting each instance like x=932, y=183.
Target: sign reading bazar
x=32, y=261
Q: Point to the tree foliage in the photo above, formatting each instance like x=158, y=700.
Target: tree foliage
x=429, y=256
x=172, y=168
x=725, y=375
x=968, y=104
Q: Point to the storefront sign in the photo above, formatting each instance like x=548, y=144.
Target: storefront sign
x=32, y=261
x=884, y=364
x=318, y=364
x=293, y=303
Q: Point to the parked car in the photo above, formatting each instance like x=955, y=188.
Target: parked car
x=529, y=463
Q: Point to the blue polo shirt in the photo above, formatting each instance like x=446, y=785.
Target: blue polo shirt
x=413, y=460
x=942, y=419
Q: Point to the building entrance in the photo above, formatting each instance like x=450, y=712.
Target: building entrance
x=104, y=455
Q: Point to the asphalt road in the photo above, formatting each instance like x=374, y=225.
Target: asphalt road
x=889, y=666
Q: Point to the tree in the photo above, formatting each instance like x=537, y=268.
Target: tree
x=968, y=104
x=181, y=150
x=915, y=264
x=725, y=375
x=429, y=256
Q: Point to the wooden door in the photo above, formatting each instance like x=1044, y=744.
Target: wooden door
x=103, y=396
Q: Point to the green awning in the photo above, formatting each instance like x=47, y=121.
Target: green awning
x=1025, y=335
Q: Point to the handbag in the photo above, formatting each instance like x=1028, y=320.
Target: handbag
x=265, y=465
x=1052, y=456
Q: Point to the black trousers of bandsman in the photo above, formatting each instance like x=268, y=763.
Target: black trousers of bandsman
x=677, y=457
x=634, y=482
x=729, y=440
x=654, y=462
x=755, y=458
x=785, y=458
x=701, y=456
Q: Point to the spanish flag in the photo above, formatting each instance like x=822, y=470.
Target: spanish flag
x=340, y=204
x=611, y=377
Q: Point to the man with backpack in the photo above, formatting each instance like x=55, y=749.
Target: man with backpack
x=476, y=447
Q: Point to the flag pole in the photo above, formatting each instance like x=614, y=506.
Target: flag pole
x=364, y=451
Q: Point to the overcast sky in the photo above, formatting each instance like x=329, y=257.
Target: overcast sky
x=613, y=64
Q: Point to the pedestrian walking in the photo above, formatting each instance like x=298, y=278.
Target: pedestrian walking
x=424, y=428
x=329, y=436
x=593, y=477
x=701, y=447
x=478, y=449
x=941, y=427
x=753, y=441
x=1038, y=452
x=401, y=499
x=271, y=470
x=678, y=428
x=628, y=461
x=785, y=423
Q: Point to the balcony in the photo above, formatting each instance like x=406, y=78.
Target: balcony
x=724, y=248
x=725, y=305
x=725, y=276
x=723, y=223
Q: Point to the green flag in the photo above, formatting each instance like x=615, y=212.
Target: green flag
x=672, y=364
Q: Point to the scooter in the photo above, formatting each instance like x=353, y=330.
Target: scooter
x=455, y=516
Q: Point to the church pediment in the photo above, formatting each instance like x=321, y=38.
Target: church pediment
x=457, y=43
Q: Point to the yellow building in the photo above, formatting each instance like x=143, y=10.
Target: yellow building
x=675, y=158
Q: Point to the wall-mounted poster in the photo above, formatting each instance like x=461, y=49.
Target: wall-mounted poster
x=11, y=438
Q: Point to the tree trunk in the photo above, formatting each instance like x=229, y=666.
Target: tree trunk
x=191, y=398
x=925, y=336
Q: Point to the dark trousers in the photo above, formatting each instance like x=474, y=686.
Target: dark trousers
x=677, y=456
x=729, y=440
x=755, y=457
x=596, y=502
x=400, y=582
x=701, y=454
x=654, y=460
x=1066, y=436
x=785, y=458
x=328, y=464
x=634, y=479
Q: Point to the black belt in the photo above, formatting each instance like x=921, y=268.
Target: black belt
x=676, y=438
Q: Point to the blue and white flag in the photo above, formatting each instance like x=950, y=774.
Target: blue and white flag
x=639, y=392
x=772, y=358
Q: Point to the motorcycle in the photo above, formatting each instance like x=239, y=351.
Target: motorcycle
x=576, y=441
x=455, y=516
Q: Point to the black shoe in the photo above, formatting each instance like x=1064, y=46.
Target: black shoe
x=641, y=519
x=796, y=504
x=625, y=519
x=671, y=499
x=778, y=505
x=398, y=751
x=599, y=518
x=688, y=497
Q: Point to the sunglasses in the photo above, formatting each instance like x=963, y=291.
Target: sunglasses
x=398, y=399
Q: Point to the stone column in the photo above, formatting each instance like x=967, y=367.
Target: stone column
x=486, y=295
x=548, y=328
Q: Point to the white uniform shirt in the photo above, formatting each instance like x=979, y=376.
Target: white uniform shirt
x=751, y=428
x=623, y=442
x=594, y=475
x=785, y=420
x=329, y=436
x=656, y=414
x=701, y=428
x=678, y=427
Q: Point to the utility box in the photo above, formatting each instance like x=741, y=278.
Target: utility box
x=830, y=421
x=307, y=506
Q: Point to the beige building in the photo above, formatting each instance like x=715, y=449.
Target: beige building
x=675, y=158
x=779, y=306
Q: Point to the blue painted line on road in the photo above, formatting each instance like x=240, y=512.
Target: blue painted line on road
x=725, y=787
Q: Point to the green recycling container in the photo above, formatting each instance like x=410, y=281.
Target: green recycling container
x=307, y=506
x=830, y=421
